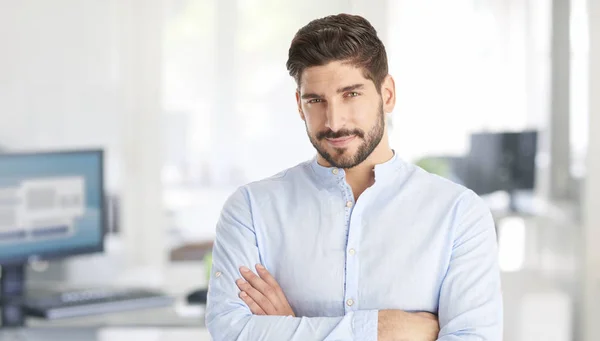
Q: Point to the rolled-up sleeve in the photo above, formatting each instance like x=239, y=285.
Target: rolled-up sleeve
x=227, y=316
x=470, y=306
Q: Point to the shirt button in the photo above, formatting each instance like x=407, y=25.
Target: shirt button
x=351, y=252
x=349, y=204
x=335, y=171
x=218, y=274
x=350, y=302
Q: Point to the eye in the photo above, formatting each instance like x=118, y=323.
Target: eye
x=352, y=94
x=315, y=100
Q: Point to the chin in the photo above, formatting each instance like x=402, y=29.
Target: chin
x=341, y=153
x=349, y=150
x=345, y=158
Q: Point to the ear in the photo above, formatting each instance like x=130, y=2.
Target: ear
x=388, y=94
x=299, y=103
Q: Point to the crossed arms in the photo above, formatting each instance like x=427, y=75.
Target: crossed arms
x=470, y=306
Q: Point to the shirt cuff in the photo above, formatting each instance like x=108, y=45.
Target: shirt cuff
x=364, y=325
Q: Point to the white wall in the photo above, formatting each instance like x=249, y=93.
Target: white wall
x=144, y=222
x=59, y=76
x=79, y=74
x=591, y=312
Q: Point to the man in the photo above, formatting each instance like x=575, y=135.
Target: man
x=355, y=244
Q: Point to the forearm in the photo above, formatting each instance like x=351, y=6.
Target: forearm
x=236, y=325
x=398, y=325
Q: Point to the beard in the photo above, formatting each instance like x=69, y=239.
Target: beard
x=338, y=159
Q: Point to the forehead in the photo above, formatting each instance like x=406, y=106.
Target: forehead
x=332, y=76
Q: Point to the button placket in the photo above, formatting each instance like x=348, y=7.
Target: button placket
x=351, y=275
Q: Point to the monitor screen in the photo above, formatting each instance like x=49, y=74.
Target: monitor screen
x=501, y=162
x=51, y=205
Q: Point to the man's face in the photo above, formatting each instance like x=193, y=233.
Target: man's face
x=343, y=113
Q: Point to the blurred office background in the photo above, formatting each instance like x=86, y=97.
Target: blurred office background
x=190, y=99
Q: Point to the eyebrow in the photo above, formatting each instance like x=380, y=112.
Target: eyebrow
x=339, y=91
x=311, y=96
x=350, y=88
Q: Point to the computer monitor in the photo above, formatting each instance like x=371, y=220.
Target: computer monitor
x=51, y=206
x=501, y=162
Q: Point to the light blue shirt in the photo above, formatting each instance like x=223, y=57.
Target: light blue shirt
x=413, y=241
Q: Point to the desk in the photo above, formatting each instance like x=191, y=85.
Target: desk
x=105, y=334
x=178, y=316
x=180, y=322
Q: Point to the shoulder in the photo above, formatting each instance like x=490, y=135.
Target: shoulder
x=273, y=186
x=429, y=185
x=454, y=199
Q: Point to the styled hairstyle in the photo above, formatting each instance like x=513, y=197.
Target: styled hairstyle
x=343, y=37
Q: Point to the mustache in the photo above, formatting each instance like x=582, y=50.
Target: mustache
x=330, y=134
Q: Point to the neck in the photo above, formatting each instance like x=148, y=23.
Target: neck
x=362, y=176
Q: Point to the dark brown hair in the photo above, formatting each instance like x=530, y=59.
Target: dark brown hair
x=342, y=37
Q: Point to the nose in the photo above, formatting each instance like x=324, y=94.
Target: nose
x=336, y=116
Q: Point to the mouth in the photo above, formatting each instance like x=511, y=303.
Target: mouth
x=341, y=141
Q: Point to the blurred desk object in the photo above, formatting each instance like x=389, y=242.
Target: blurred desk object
x=191, y=252
x=501, y=162
x=195, y=252
x=177, y=316
x=105, y=334
x=177, y=281
x=496, y=162
x=179, y=322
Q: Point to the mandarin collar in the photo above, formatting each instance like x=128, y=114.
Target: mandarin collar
x=382, y=170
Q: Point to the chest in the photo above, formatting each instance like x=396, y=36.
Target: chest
x=382, y=258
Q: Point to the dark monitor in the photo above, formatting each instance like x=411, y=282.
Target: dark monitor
x=51, y=206
x=501, y=162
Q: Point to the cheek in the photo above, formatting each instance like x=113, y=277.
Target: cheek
x=366, y=115
x=314, y=121
x=358, y=116
x=314, y=127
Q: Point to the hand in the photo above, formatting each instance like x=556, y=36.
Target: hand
x=263, y=295
x=398, y=325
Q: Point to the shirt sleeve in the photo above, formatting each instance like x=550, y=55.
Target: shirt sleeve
x=470, y=306
x=227, y=316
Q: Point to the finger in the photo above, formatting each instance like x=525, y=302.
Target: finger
x=270, y=280
x=257, y=296
x=260, y=285
x=254, y=307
